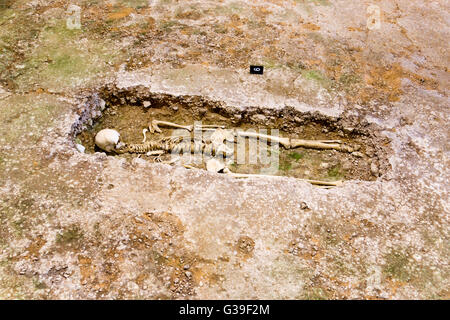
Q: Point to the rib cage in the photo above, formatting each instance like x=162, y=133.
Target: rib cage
x=174, y=145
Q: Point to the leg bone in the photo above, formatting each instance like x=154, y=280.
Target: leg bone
x=314, y=182
x=295, y=143
x=248, y=175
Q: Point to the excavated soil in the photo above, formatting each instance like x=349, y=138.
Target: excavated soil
x=126, y=113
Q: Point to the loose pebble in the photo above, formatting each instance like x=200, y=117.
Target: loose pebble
x=80, y=148
x=357, y=154
x=374, y=169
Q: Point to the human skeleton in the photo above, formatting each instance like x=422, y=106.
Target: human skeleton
x=215, y=145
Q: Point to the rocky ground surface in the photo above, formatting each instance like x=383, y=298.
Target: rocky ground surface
x=92, y=226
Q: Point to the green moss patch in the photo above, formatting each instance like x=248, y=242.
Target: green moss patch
x=396, y=266
x=69, y=235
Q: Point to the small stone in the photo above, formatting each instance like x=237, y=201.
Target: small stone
x=188, y=274
x=102, y=104
x=370, y=152
x=147, y=104
x=186, y=267
x=80, y=148
x=406, y=121
x=374, y=169
x=214, y=165
x=357, y=154
x=324, y=165
x=346, y=165
x=259, y=118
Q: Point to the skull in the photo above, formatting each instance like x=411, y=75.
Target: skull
x=107, y=139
